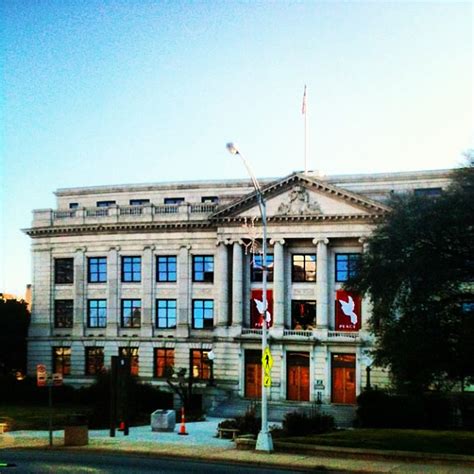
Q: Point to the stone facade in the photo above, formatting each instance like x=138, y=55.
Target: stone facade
x=310, y=217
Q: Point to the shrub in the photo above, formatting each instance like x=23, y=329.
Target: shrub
x=246, y=424
x=299, y=423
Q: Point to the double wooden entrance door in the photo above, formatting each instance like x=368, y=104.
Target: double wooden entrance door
x=253, y=374
x=297, y=365
x=343, y=378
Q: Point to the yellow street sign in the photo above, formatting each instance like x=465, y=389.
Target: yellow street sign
x=267, y=360
x=267, y=381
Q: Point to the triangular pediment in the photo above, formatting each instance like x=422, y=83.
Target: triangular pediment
x=299, y=195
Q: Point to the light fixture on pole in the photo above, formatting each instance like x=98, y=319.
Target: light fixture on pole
x=264, y=440
x=211, y=356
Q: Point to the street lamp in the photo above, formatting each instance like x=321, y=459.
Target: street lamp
x=264, y=440
x=211, y=356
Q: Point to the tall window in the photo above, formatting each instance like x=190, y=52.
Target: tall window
x=166, y=268
x=96, y=313
x=203, y=268
x=203, y=314
x=97, y=269
x=64, y=270
x=200, y=364
x=62, y=360
x=94, y=360
x=303, y=267
x=131, y=352
x=165, y=313
x=131, y=313
x=257, y=267
x=131, y=269
x=164, y=362
x=303, y=314
x=63, y=313
x=347, y=265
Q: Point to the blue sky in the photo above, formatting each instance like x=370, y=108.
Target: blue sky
x=101, y=92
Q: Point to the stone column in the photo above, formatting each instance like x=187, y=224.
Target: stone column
x=184, y=292
x=237, y=285
x=322, y=287
x=278, y=284
x=79, y=292
x=147, y=292
x=113, y=307
x=221, y=275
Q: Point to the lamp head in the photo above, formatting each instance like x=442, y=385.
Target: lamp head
x=232, y=148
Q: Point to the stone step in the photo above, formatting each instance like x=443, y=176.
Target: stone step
x=343, y=414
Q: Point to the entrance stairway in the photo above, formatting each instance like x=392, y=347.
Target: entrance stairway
x=343, y=414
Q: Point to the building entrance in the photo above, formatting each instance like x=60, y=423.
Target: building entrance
x=343, y=379
x=297, y=371
x=253, y=374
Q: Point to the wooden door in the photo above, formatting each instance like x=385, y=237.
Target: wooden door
x=297, y=376
x=343, y=379
x=253, y=374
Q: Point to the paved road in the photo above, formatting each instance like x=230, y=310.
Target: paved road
x=57, y=462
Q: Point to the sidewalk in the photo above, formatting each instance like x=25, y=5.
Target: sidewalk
x=201, y=444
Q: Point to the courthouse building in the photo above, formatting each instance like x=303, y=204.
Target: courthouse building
x=165, y=273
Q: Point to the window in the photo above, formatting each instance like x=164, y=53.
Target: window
x=346, y=265
x=257, y=268
x=164, y=362
x=105, y=203
x=73, y=205
x=64, y=270
x=131, y=313
x=303, y=267
x=303, y=315
x=203, y=314
x=139, y=202
x=97, y=269
x=63, y=313
x=62, y=360
x=131, y=269
x=203, y=268
x=166, y=268
x=174, y=200
x=94, y=360
x=96, y=313
x=428, y=192
x=200, y=364
x=132, y=353
x=209, y=199
x=165, y=313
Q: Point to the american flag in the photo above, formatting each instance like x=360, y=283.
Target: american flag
x=303, y=107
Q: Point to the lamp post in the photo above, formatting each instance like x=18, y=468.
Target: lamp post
x=211, y=356
x=264, y=440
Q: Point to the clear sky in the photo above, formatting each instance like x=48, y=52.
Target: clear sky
x=102, y=92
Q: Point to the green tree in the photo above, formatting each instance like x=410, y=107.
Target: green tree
x=419, y=274
x=14, y=321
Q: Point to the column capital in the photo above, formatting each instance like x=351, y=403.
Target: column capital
x=115, y=247
x=324, y=240
x=226, y=241
x=185, y=246
x=277, y=241
x=81, y=249
x=149, y=247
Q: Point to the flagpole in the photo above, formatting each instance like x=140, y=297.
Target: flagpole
x=305, y=113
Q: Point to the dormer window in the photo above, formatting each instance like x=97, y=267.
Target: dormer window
x=209, y=199
x=105, y=203
x=73, y=205
x=139, y=202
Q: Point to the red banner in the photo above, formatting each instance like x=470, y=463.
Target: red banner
x=348, y=311
x=256, y=308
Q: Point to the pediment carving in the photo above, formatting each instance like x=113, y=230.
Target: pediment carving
x=298, y=202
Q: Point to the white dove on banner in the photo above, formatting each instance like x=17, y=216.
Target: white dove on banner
x=261, y=309
x=348, y=309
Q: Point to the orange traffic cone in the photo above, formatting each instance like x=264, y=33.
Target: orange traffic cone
x=121, y=426
x=182, y=428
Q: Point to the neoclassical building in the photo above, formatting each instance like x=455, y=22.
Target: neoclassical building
x=170, y=274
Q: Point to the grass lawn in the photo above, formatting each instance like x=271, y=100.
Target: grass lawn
x=27, y=417
x=448, y=442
